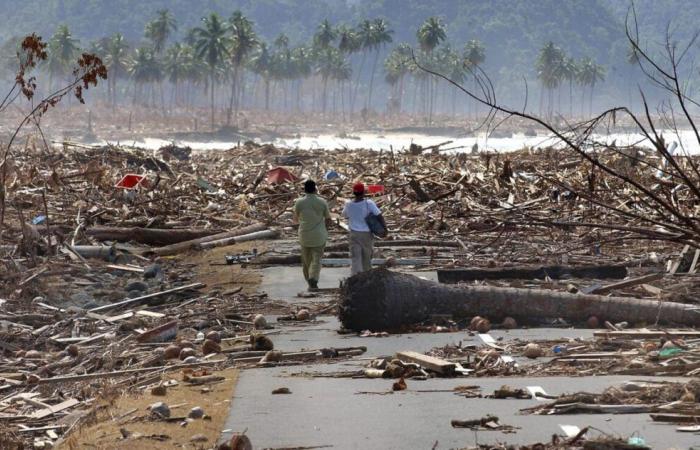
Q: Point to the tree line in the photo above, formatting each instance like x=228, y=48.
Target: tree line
x=224, y=62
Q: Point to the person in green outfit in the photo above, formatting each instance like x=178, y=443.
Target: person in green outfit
x=312, y=213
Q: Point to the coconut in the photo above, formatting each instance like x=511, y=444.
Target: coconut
x=474, y=321
x=33, y=354
x=172, y=351
x=185, y=344
x=272, y=356
x=532, y=350
x=261, y=342
x=214, y=336
x=73, y=350
x=509, y=323
x=259, y=322
x=303, y=314
x=483, y=326
x=186, y=352
x=210, y=346
x=593, y=322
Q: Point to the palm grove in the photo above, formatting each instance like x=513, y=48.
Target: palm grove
x=225, y=64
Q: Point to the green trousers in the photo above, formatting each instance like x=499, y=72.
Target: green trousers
x=311, y=262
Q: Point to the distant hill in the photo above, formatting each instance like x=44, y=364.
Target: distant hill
x=513, y=31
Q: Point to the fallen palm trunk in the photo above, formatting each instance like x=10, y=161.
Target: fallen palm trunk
x=264, y=234
x=384, y=300
x=528, y=273
x=189, y=245
x=344, y=246
x=337, y=262
x=148, y=236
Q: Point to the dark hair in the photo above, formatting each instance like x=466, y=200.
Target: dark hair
x=309, y=186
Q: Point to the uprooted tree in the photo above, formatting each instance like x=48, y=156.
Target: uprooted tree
x=88, y=70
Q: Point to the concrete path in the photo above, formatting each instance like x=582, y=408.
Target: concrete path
x=347, y=413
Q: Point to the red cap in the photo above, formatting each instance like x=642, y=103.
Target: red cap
x=358, y=188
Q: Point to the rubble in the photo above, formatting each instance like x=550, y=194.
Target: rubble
x=102, y=293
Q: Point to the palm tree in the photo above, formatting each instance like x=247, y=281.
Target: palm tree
x=430, y=34
x=116, y=59
x=261, y=64
x=474, y=56
x=211, y=46
x=242, y=43
x=62, y=50
x=349, y=43
x=176, y=66
x=548, y=65
x=325, y=35
x=324, y=67
x=364, y=36
x=396, y=66
x=590, y=74
x=159, y=29
x=380, y=36
x=342, y=72
x=299, y=66
x=569, y=71
x=144, y=70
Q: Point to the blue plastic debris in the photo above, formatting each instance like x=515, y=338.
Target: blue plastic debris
x=330, y=175
x=38, y=220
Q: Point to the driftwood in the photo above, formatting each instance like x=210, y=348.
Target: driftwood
x=264, y=234
x=344, y=246
x=146, y=297
x=381, y=299
x=192, y=244
x=103, y=252
x=148, y=236
x=528, y=273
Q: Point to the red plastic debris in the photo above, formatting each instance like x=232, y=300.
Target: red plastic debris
x=279, y=175
x=375, y=189
x=130, y=181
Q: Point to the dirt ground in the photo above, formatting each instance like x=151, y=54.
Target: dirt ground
x=213, y=271
x=129, y=415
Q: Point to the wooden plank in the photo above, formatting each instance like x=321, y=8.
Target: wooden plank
x=429, y=362
x=146, y=313
x=676, y=265
x=147, y=297
x=125, y=268
x=54, y=409
x=488, y=340
x=25, y=429
x=645, y=334
x=675, y=418
x=693, y=265
x=532, y=272
x=628, y=283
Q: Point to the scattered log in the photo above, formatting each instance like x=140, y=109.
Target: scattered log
x=628, y=283
x=148, y=236
x=421, y=196
x=103, y=252
x=264, y=234
x=344, y=246
x=449, y=276
x=647, y=334
x=383, y=300
x=146, y=297
x=192, y=244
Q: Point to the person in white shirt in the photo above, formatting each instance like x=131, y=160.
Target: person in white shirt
x=361, y=238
